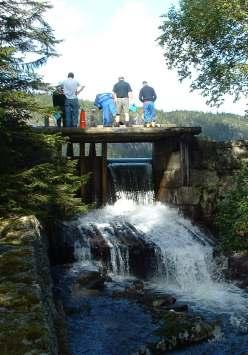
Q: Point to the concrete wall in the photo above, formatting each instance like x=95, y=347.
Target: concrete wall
x=213, y=166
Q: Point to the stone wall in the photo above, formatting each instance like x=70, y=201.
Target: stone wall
x=27, y=311
x=213, y=166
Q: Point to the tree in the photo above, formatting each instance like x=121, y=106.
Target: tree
x=34, y=178
x=232, y=214
x=26, y=42
x=207, y=41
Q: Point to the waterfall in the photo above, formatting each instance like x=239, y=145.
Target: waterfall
x=132, y=179
x=111, y=242
x=136, y=236
x=176, y=251
x=154, y=242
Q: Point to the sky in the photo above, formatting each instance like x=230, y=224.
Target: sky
x=105, y=39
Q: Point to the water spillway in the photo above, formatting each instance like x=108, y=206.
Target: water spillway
x=131, y=179
x=138, y=237
x=135, y=227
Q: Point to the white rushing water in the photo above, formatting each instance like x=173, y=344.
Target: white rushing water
x=132, y=181
x=186, y=266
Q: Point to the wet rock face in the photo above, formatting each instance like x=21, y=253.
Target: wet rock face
x=129, y=244
x=99, y=248
x=213, y=166
x=153, y=302
x=61, y=243
x=142, y=256
x=93, y=280
x=238, y=269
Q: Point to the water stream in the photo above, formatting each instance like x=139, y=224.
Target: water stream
x=179, y=261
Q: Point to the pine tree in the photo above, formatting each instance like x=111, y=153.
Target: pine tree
x=33, y=176
x=26, y=42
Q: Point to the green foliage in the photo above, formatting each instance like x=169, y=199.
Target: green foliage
x=36, y=179
x=232, y=215
x=48, y=190
x=33, y=176
x=209, y=37
x=26, y=42
x=219, y=127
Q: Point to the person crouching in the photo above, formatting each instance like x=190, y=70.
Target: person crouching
x=106, y=103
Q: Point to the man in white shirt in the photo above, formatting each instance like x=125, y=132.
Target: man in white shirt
x=71, y=89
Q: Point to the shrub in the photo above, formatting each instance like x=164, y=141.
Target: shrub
x=232, y=217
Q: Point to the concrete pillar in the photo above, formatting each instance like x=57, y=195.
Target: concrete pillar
x=165, y=157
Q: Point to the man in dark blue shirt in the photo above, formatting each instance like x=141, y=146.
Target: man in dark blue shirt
x=122, y=93
x=148, y=96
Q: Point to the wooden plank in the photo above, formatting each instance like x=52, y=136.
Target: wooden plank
x=82, y=150
x=121, y=135
x=82, y=166
x=92, y=150
x=124, y=135
x=185, y=163
x=104, y=174
x=93, y=158
x=98, y=181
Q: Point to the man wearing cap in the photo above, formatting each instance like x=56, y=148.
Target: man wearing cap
x=122, y=94
x=148, y=96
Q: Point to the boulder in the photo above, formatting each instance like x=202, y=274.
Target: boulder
x=181, y=329
x=93, y=280
x=135, y=291
x=238, y=269
x=163, y=301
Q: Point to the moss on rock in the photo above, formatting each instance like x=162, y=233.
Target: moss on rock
x=26, y=304
x=180, y=329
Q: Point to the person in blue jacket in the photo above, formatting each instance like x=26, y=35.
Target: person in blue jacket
x=106, y=103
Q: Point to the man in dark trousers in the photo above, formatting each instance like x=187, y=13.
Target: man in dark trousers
x=148, y=96
x=58, y=98
x=122, y=94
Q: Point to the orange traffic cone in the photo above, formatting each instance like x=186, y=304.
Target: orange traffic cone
x=82, y=119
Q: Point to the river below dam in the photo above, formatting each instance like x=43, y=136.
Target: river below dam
x=136, y=241
x=186, y=269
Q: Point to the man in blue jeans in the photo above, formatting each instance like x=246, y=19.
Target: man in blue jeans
x=147, y=95
x=71, y=89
